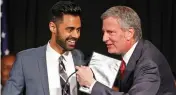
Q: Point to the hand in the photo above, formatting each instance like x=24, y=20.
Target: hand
x=84, y=76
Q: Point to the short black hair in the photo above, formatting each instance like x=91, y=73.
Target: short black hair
x=63, y=7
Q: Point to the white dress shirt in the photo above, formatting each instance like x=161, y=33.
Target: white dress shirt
x=52, y=59
x=127, y=56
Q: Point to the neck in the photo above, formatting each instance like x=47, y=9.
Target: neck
x=56, y=47
x=129, y=45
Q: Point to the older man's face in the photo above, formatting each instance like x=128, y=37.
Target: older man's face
x=113, y=36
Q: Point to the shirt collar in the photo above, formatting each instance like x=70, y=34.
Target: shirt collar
x=55, y=55
x=127, y=56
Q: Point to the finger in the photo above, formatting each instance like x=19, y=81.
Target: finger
x=77, y=73
x=77, y=67
x=84, y=66
x=78, y=79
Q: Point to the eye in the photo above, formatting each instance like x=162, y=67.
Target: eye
x=110, y=32
x=78, y=30
x=70, y=29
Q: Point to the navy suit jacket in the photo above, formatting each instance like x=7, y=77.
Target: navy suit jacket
x=147, y=73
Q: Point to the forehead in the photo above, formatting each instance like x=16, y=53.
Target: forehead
x=71, y=20
x=110, y=23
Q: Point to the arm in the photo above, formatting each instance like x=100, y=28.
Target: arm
x=146, y=81
x=15, y=84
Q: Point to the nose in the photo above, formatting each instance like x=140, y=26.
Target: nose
x=105, y=37
x=76, y=34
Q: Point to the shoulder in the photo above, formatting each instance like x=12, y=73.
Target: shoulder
x=148, y=55
x=32, y=51
x=149, y=47
x=150, y=52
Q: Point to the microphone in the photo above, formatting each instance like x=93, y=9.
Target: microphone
x=67, y=82
x=85, y=63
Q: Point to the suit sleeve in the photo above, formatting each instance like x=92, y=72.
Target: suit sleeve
x=146, y=81
x=15, y=84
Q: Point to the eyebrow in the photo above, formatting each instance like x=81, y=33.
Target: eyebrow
x=72, y=28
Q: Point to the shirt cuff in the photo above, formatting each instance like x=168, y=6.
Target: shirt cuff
x=86, y=89
x=91, y=86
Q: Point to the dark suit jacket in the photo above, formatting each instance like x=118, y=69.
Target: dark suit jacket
x=147, y=73
x=29, y=72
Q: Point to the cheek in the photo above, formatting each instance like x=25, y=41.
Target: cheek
x=117, y=42
x=61, y=36
x=78, y=35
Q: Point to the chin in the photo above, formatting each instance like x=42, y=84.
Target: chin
x=110, y=51
x=113, y=51
x=69, y=49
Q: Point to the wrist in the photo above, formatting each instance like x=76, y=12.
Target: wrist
x=91, y=82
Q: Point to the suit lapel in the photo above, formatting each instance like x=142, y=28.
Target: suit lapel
x=77, y=58
x=133, y=60
x=43, y=69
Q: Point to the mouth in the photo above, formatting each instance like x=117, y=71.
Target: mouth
x=71, y=43
x=108, y=45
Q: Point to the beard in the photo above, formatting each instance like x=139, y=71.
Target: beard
x=63, y=42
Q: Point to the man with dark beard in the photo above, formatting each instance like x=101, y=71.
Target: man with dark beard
x=44, y=70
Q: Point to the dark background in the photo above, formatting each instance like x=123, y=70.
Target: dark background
x=27, y=24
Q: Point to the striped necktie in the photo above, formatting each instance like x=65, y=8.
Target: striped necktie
x=63, y=77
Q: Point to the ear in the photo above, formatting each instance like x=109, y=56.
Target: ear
x=129, y=34
x=52, y=27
